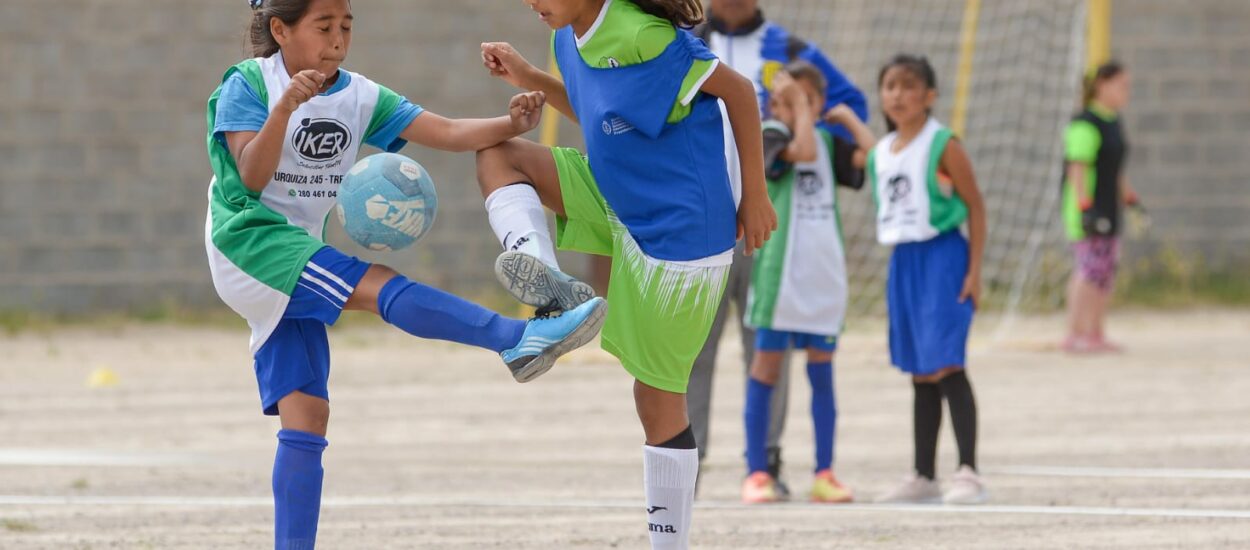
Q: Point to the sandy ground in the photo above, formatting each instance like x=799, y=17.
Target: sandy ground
x=434, y=446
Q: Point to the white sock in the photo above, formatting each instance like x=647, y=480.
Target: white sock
x=516, y=214
x=669, y=475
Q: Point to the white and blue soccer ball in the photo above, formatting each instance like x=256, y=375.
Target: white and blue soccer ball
x=387, y=202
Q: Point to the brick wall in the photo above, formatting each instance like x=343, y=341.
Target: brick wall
x=102, y=190
x=1188, y=121
x=102, y=139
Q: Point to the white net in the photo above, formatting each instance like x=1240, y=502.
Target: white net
x=1023, y=88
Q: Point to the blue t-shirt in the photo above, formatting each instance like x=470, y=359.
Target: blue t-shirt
x=240, y=109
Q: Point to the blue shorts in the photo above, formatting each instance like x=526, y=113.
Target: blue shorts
x=296, y=357
x=928, y=326
x=780, y=340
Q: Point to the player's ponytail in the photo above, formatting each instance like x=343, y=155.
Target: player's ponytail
x=683, y=13
x=917, y=65
x=1093, y=80
x=260, y=38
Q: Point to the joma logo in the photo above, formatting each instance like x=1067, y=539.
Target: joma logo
x=321, y=139
x=657, y=528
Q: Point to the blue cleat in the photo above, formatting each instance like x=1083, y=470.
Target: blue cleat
x=547, y=338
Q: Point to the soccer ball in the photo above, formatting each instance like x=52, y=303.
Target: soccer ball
x=387, y=202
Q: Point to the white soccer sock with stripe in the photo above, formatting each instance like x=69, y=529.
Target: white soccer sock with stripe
x=516, y=214
x=669, y=476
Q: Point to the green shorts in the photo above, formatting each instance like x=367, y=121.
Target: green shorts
x=660, y=311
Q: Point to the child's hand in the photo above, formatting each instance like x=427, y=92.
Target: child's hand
x=840, y=113
x=503, y=61
x=786, y=88
x=971, y=289
x=304, y=86
x=526, y=111
x=756, y=220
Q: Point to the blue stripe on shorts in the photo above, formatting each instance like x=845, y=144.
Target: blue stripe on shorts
x=296, y=357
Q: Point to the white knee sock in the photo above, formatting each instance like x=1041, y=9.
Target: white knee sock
x=669, y=475
x=516, y=214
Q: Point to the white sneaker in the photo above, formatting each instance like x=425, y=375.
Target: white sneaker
x=915, y=489
x=966, y=488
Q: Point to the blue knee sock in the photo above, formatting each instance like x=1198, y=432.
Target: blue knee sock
x=759, y=398
x=428, y=312
x=297, y=477
x=824, y=412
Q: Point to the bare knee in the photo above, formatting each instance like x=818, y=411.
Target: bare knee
x=766, y=367
x=365, y=295
x=663, y=413
x=497, y=167
x=815, y=355
x=305, y=413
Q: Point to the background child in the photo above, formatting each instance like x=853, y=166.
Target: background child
x=925, y=189
x=799, y=285
x=264, y=244
x=653, y=192
x=1095, y=150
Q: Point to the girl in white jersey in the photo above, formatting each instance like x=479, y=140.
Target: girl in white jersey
x=925, y=189
x=284, y=128
x=798, y=281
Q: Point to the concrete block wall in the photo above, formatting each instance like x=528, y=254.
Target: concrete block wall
x=1187, y=124
x=102, y=129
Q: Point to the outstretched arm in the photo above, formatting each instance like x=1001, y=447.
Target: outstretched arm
x=756, y=217
x=475, y=134
x=505, y=63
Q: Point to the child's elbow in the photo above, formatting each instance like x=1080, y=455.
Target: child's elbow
x=254, y=185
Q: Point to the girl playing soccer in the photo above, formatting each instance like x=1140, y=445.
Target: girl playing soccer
x=924, y=188
x=798, y=282
x=289, y=121
x=653, y=192
x=1095, y=149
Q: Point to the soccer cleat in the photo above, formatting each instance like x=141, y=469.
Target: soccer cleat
x=966, y=488
x=547, y=338
x=826, y=488
x=533, y=282
x=774, y=469
x=915, y=489
x=759, y=488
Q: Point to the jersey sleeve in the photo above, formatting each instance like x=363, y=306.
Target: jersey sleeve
x=1081, y=142
x=239, y=108
x=842, y=153
x=701, y=69
x=654, y=37
x=391, y=116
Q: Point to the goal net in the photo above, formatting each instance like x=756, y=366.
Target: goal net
x=1022, y=87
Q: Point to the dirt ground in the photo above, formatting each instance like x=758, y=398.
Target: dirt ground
x=434, y=446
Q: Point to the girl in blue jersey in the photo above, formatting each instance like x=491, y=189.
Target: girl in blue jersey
x=653, y=192
x=925, y=190
x=290, y=120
